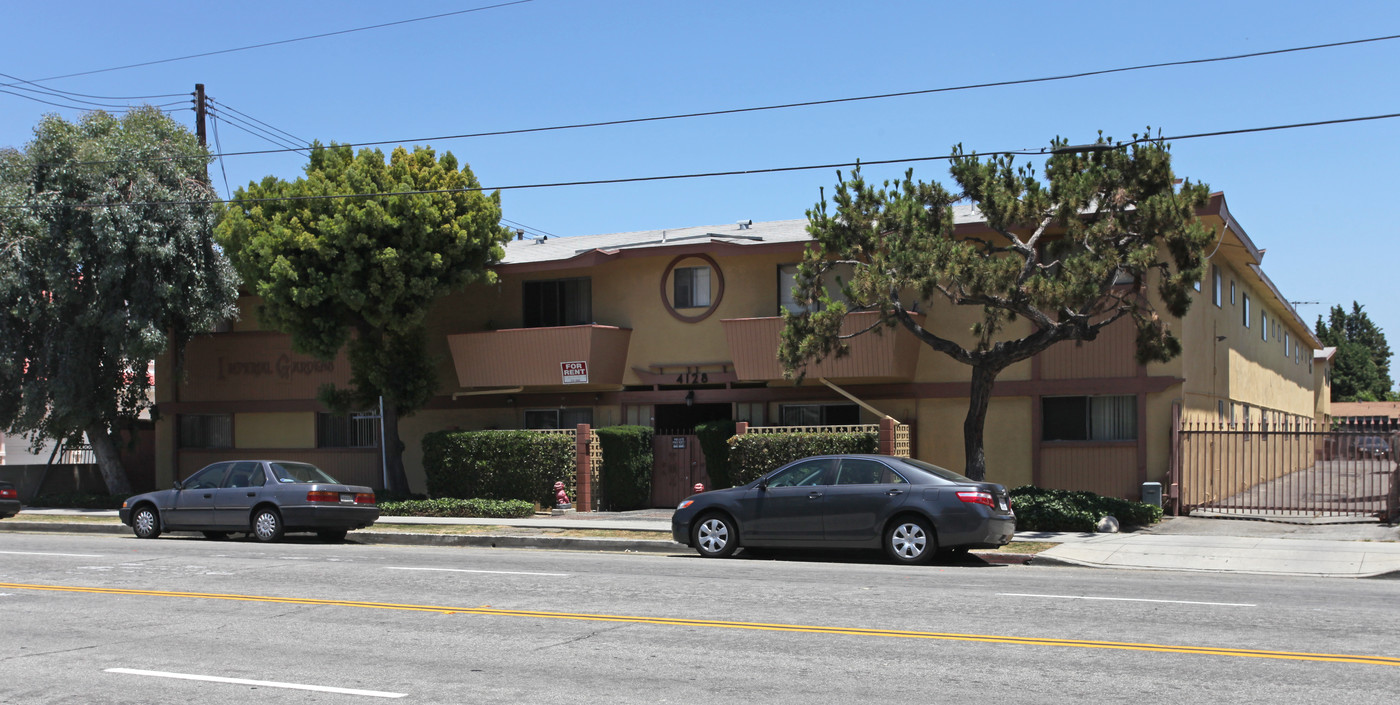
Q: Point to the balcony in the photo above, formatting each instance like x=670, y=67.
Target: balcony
x=753, y=344
x=526, y=357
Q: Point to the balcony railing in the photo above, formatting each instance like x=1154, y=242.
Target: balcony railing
x=889, y=355
x=525, y=357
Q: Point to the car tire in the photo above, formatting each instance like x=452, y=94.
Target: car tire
x=145, y=522
x=909, y=540
x=715, y=536
x=267, y=525
x=332, y=535
x=216, y=535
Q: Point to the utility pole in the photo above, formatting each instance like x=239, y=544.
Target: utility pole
x=199, y=113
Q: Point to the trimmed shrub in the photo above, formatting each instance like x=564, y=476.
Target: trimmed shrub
x=498, y=464
x=77, y=500
x=754, y=454
x=626, y=471
x=1067, y=510
x=714, y=443
x=449, y=507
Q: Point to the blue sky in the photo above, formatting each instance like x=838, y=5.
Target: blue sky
x=1316, y=198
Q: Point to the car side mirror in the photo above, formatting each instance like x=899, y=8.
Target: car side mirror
x=762, y=484
x=178, y=485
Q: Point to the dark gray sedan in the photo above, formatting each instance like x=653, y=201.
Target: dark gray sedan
x=909, y=508
x=264, y=498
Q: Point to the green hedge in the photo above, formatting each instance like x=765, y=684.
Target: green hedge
x=449, y=507
x=754, y=454
x=626, y=471
x=714, y=443
x=1068, y=510
x=77, y=500
x=498, y=464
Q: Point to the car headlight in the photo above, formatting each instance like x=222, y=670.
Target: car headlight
x=684, y=504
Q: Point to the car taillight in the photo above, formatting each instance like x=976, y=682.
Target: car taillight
x=322, y=496
x=9, y=493
x=977, y=498
x=364, y=498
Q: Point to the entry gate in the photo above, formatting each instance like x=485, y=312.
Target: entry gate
x=678, y=464
x=1291, y=470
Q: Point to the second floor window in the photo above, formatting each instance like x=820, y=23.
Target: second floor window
x=692, y=287
x=557, y=302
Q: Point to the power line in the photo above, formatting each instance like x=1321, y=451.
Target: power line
x=165, y=107
x=281, y=41
x=60, y=95
x=742, y=172
x=231, y=109
x=527, y=228
x=85, y=95
x=254, y=131
x=831, y=101
x=228, y=193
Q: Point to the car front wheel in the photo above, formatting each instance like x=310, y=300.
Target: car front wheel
x=910, y=541
x=145, y=523
x=715, y=536
x=267, y=525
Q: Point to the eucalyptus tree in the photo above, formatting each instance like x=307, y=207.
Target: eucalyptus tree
x=338, y=266
x=107, y=226
x=1107, y=234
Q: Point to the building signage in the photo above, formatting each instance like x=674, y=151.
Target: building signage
x=284, y=367
x=574, y=372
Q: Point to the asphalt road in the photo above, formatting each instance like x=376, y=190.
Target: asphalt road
x=454, y=625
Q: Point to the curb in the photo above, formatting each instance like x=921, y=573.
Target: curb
x=54, y=527
x=556, y=543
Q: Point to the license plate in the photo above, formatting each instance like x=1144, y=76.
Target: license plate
x=347, y=498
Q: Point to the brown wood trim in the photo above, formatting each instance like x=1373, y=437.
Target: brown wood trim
x=718, y=294
x=240, y=407
x=593, y=258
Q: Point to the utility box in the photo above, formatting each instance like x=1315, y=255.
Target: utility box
x=1152, y=493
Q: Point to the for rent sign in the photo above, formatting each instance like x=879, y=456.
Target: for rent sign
x=574, y=372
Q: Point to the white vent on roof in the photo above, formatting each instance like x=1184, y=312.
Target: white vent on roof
x=744, y=224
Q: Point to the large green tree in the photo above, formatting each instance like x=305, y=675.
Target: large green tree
x=1106, y=235
x=1361, y=368
x=360, y=272
x=109, y=260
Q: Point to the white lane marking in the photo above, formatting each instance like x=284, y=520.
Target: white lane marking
x=492, y=572
x=265, y=684
x=36, y=553
x=1127, y=599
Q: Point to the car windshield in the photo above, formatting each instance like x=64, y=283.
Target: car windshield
x=300, y=473
x=934, y=470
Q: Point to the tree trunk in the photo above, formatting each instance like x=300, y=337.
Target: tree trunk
x=393, y=452
x=108, y=462
x=983, y=376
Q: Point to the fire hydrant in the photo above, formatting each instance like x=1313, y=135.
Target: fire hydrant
x=561, y=496
x=699, y=487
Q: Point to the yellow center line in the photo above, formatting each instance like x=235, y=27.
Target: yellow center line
x=724, y=624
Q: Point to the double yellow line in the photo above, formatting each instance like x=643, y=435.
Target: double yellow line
x=722, y=624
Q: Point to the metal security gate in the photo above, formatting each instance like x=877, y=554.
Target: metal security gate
x=1290, y=470
x=677, y=465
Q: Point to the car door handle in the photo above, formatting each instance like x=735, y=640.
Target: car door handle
x=252, y=494
x=893, y=493
x=814, y=495
x=208, y=496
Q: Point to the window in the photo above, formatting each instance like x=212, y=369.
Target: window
x=557, y=302
x=207, y=479
x=820, y=414
x=831, y=281
x=692, y=287
x=1216, y=289
x=1246, y=310
x=1232, y=292
x=206, y=430
x=357, y=430
x=541, y=419
x=859, y=471
x=1108, y=418
x=246, y=474
x=1264, y=327
x=812, y=472
x=1287, y=350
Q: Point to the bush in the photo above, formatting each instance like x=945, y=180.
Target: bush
x=77, y=500
x=449, y=507
x=1067, y=510
x=714, y=443
x=754, y=454
x=626, y=471
x=498, y=464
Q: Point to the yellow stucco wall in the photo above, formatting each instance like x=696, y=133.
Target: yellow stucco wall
x=275, y=430
x=1006, y=437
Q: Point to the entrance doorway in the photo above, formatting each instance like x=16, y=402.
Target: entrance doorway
x=678, y=463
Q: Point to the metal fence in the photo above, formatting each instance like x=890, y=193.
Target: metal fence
x=1294, y=469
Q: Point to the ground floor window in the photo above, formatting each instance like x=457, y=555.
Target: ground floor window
x=206, y=430
x=354, y=430
x=539, y=419
x=820, y=414
x=1106, y=418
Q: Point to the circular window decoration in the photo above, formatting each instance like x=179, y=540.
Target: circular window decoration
x=698, y=284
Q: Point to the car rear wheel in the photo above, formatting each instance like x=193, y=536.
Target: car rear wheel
x=267, y=525
x=145, y=523
x=332, y=535
x=715, y=536
x=216, y=535
x=910, y=541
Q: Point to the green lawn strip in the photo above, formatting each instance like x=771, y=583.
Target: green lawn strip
x=61, y=518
